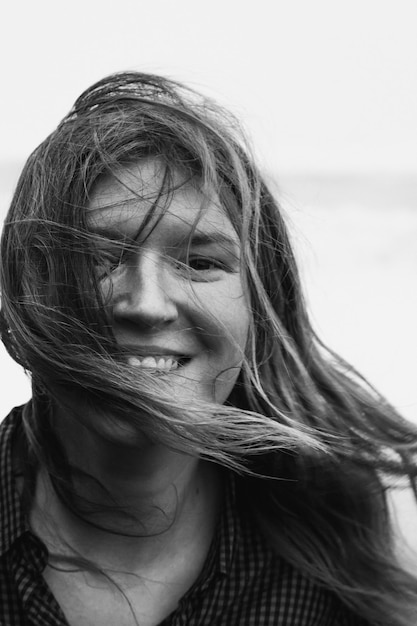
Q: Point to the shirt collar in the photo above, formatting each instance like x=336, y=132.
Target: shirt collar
x=228, y=527
x=223, y=547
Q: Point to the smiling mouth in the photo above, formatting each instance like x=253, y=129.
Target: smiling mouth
x=166, y=363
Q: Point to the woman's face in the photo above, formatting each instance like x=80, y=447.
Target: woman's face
x=177, y=298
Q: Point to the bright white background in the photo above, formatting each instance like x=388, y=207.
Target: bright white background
x=328, y=90
x=322, y=84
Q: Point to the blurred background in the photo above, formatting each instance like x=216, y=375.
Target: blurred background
x=328, y=92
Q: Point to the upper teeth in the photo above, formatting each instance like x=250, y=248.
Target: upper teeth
x=150, y=362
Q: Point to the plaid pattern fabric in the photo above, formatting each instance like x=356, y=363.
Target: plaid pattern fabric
x=242, y=583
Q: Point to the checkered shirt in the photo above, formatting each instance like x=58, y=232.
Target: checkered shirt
x=243, y=583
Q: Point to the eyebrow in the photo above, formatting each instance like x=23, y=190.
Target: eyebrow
x=208, y=238
x=197, y=239
x=109, y=232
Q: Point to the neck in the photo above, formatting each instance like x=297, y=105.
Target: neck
x=146, y=495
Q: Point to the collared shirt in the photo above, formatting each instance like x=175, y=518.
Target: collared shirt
x=243, y=583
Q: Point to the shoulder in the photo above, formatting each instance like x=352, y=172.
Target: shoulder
x=9, y=425
x=271, y=585
x=9, y=430
x=12, y=519
x=267, y=588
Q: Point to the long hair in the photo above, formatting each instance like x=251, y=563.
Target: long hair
x=312, y=440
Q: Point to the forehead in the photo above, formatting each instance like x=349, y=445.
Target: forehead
x=119, y=205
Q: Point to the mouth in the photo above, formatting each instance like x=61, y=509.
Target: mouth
x=159, y=363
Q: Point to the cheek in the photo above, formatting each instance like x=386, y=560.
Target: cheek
x=227, y=317
x=234, y=312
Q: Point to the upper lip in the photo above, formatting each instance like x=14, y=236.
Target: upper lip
x=151, y=350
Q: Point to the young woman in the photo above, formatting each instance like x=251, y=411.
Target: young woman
x=192, y=453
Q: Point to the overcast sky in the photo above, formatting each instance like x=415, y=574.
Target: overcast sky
x=321, y=84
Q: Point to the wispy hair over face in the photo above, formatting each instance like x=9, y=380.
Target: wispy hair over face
x=299, y=413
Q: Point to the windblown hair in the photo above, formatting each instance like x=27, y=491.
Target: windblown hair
x=314, y=442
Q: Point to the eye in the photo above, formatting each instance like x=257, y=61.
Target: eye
x=201, y=268
x=108, y=262
x=111, y=254
x=205, y=264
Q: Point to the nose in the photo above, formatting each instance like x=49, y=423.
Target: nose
x=144, y=293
